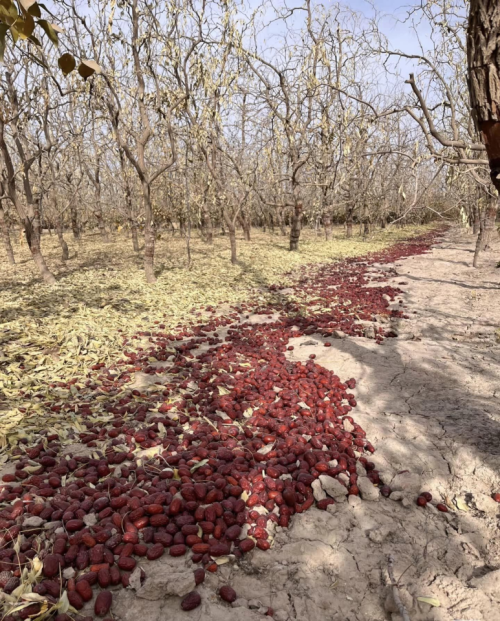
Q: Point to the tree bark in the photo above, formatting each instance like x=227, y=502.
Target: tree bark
x=476, y=220
x=4, y=231
x=349, y=223
x=487, y=229
x=74, y=222
x=327, y=223
x=135, y=239
x=63, y=244
x=208, y=227
x=295, y=226
x=483, y=58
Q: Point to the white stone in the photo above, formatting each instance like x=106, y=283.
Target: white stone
x=367, y=490
x=486, y=504
x=318, y=491
x=333, y=488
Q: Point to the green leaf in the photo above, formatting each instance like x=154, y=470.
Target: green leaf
x=3, y=31
x=432, y=601
x=66, y=63
x=49, y=30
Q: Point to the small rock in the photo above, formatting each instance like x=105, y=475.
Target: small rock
x=369, y=332
x=90, y=519
x=338, y=334
x=254, y=604
x=385, y=476
x=34, y=521
x=263, y=610
x=367, y=490
x=318, y=491
x=280, y=615
x=406, y=502
x=348, y=426
x=68, y=573
x=486, y=504
x=240, y=603
x=332, y=509
x=396, y=496
x=354, y=501
x=333, y=463
x=333, y=488
x=344, y=477
x=360, y=469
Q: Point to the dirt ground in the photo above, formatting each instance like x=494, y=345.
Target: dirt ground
x=428, y=401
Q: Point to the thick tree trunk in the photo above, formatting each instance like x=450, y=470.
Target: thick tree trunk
x=476, y=220
x=62, y=243
x=487, y=229
x=245, y=225
x=295, y=226
x=349, y=223
x=149, y=234
x=33, y=233
x=232, y=240
x=74, y=222
x=483, y=58
x=135, y=239
x=327, y=223
x=208, y=227
x=5, y=233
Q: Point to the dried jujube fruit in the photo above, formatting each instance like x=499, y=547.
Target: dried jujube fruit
x=228, y=594
x=191, y=601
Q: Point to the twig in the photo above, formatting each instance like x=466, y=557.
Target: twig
x=395, y=589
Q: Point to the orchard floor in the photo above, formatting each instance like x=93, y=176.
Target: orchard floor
x=428, y=401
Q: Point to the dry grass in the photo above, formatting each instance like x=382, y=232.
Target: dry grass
x=58, y=332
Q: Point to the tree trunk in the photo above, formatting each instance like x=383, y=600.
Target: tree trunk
x=149, y=235
x=483, y=59
x=135, y=239
x=208, y=227
x=327, y=223
x=349, y=223
x=32, y=231
x=366, y=229
x=295, y=226
x=476, y=221
x=487, y=229
x=30, y=217
x=245, y=225
x=74, y=222
x=63, y=244
x=4, y=232
x=281, y=222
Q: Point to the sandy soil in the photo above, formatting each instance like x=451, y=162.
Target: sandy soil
x=428, y=401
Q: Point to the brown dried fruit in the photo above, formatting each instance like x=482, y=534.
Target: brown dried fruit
x=191, y=601
x=228, y=594
x=103, y=603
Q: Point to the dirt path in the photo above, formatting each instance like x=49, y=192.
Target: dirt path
x=428, y=402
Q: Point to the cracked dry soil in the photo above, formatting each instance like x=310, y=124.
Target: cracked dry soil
x=428, y=400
